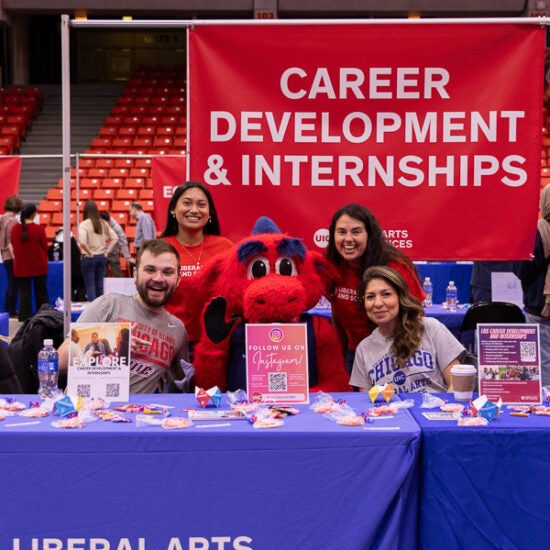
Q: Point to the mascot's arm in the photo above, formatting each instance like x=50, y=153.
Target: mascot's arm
x=210, y=362
x=212, y=350
x=331, y=373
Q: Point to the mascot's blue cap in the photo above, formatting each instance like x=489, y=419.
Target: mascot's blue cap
x=265, y=225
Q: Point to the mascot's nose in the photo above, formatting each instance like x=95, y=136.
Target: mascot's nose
x=274, y=298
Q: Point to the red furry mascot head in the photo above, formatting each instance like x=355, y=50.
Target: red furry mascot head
x=265, y=278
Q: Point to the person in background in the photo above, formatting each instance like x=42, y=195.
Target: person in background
x=55, y=254
x=30, y=261
x=95, y=345
x=412, y=352
x=96, y=240
x=534, y=275
x=113, y=259
x=158, y=340
x=193, y=228
x=12, y=207
x=145, y=226
x=75, y=350
x=356, y=241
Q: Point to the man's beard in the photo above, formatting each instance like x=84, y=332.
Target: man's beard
x=143, y=291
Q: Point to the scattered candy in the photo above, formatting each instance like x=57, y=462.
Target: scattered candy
x=175, y=423
x=452, y=407
x=34, y=412
x=73, y=422
x=355, y=420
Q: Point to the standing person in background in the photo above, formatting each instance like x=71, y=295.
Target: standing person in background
x=193, y=228
x=96, y=241
x=356, y=241
x=30, y=261
x=12, y=207
x=78, y=288
x=113, y=259
x=145, y=228
x=535, y=282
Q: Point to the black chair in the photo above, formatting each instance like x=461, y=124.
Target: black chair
x=489, y=312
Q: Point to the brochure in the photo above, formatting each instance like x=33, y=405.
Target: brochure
x=509, y=362
x=99, y=361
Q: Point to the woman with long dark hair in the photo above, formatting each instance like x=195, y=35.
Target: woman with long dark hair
x=193, y=228
x=30, y=261
x=356, y=241
x=413, y=352
x=96, y=240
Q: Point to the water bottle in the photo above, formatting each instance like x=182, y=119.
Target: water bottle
x=452, y=296
x=48, y=371
x=428, y=289
x=56, y=252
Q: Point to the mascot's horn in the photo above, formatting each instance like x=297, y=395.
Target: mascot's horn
x=265, y=225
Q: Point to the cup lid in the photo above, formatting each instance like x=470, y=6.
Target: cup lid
x=463, y=369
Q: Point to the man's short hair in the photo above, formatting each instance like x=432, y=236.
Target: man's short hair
x=136, y=205
x=156, y=247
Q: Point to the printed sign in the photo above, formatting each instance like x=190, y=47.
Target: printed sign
x=277, y=363
x=509, y=362
x=419, y=123
x=99, y=361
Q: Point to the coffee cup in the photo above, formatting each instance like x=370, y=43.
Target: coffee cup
x=464, y=378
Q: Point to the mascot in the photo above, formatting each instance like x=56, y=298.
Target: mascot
x=265, y=278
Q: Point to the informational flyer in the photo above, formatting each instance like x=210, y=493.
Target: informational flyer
x=99, y=361
x=509, y=362
x=277, y=363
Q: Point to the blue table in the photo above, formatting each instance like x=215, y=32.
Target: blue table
x=54, y=283
x=441, y=273
x=451, y=319
x=485, y=487
x=310, y=484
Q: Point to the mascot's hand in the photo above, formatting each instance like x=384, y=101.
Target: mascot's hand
x=214, y=320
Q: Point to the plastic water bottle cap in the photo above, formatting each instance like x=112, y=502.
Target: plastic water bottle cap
x=48, y=342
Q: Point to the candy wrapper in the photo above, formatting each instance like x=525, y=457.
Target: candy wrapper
x=10, y=405
x=431, y=401
x=325, y=403
x=485, y=408
x=34, y=411
x=203, y=396
x=387, y=391
x=145, y=420
x=263, y=418
x=344, y=415
x=238, y=401
x=69, y=423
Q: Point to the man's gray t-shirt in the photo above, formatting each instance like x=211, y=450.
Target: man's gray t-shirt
x=166, y=333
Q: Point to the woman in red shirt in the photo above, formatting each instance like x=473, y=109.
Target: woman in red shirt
x=356, y=241
x=30, y=261
x=193, y=228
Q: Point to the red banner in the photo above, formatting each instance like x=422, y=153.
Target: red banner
x=10, y=172
x=167, y=172
x=435, y=128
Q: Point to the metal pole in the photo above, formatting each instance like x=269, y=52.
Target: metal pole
x=161, y=23
x=66, y=151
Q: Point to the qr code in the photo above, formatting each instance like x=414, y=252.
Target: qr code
x=528, y=351
x=83, y=390
x=277, y=381
x=112, y=390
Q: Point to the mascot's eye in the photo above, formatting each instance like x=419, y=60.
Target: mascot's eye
x=258, y=267
x=285, y=266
